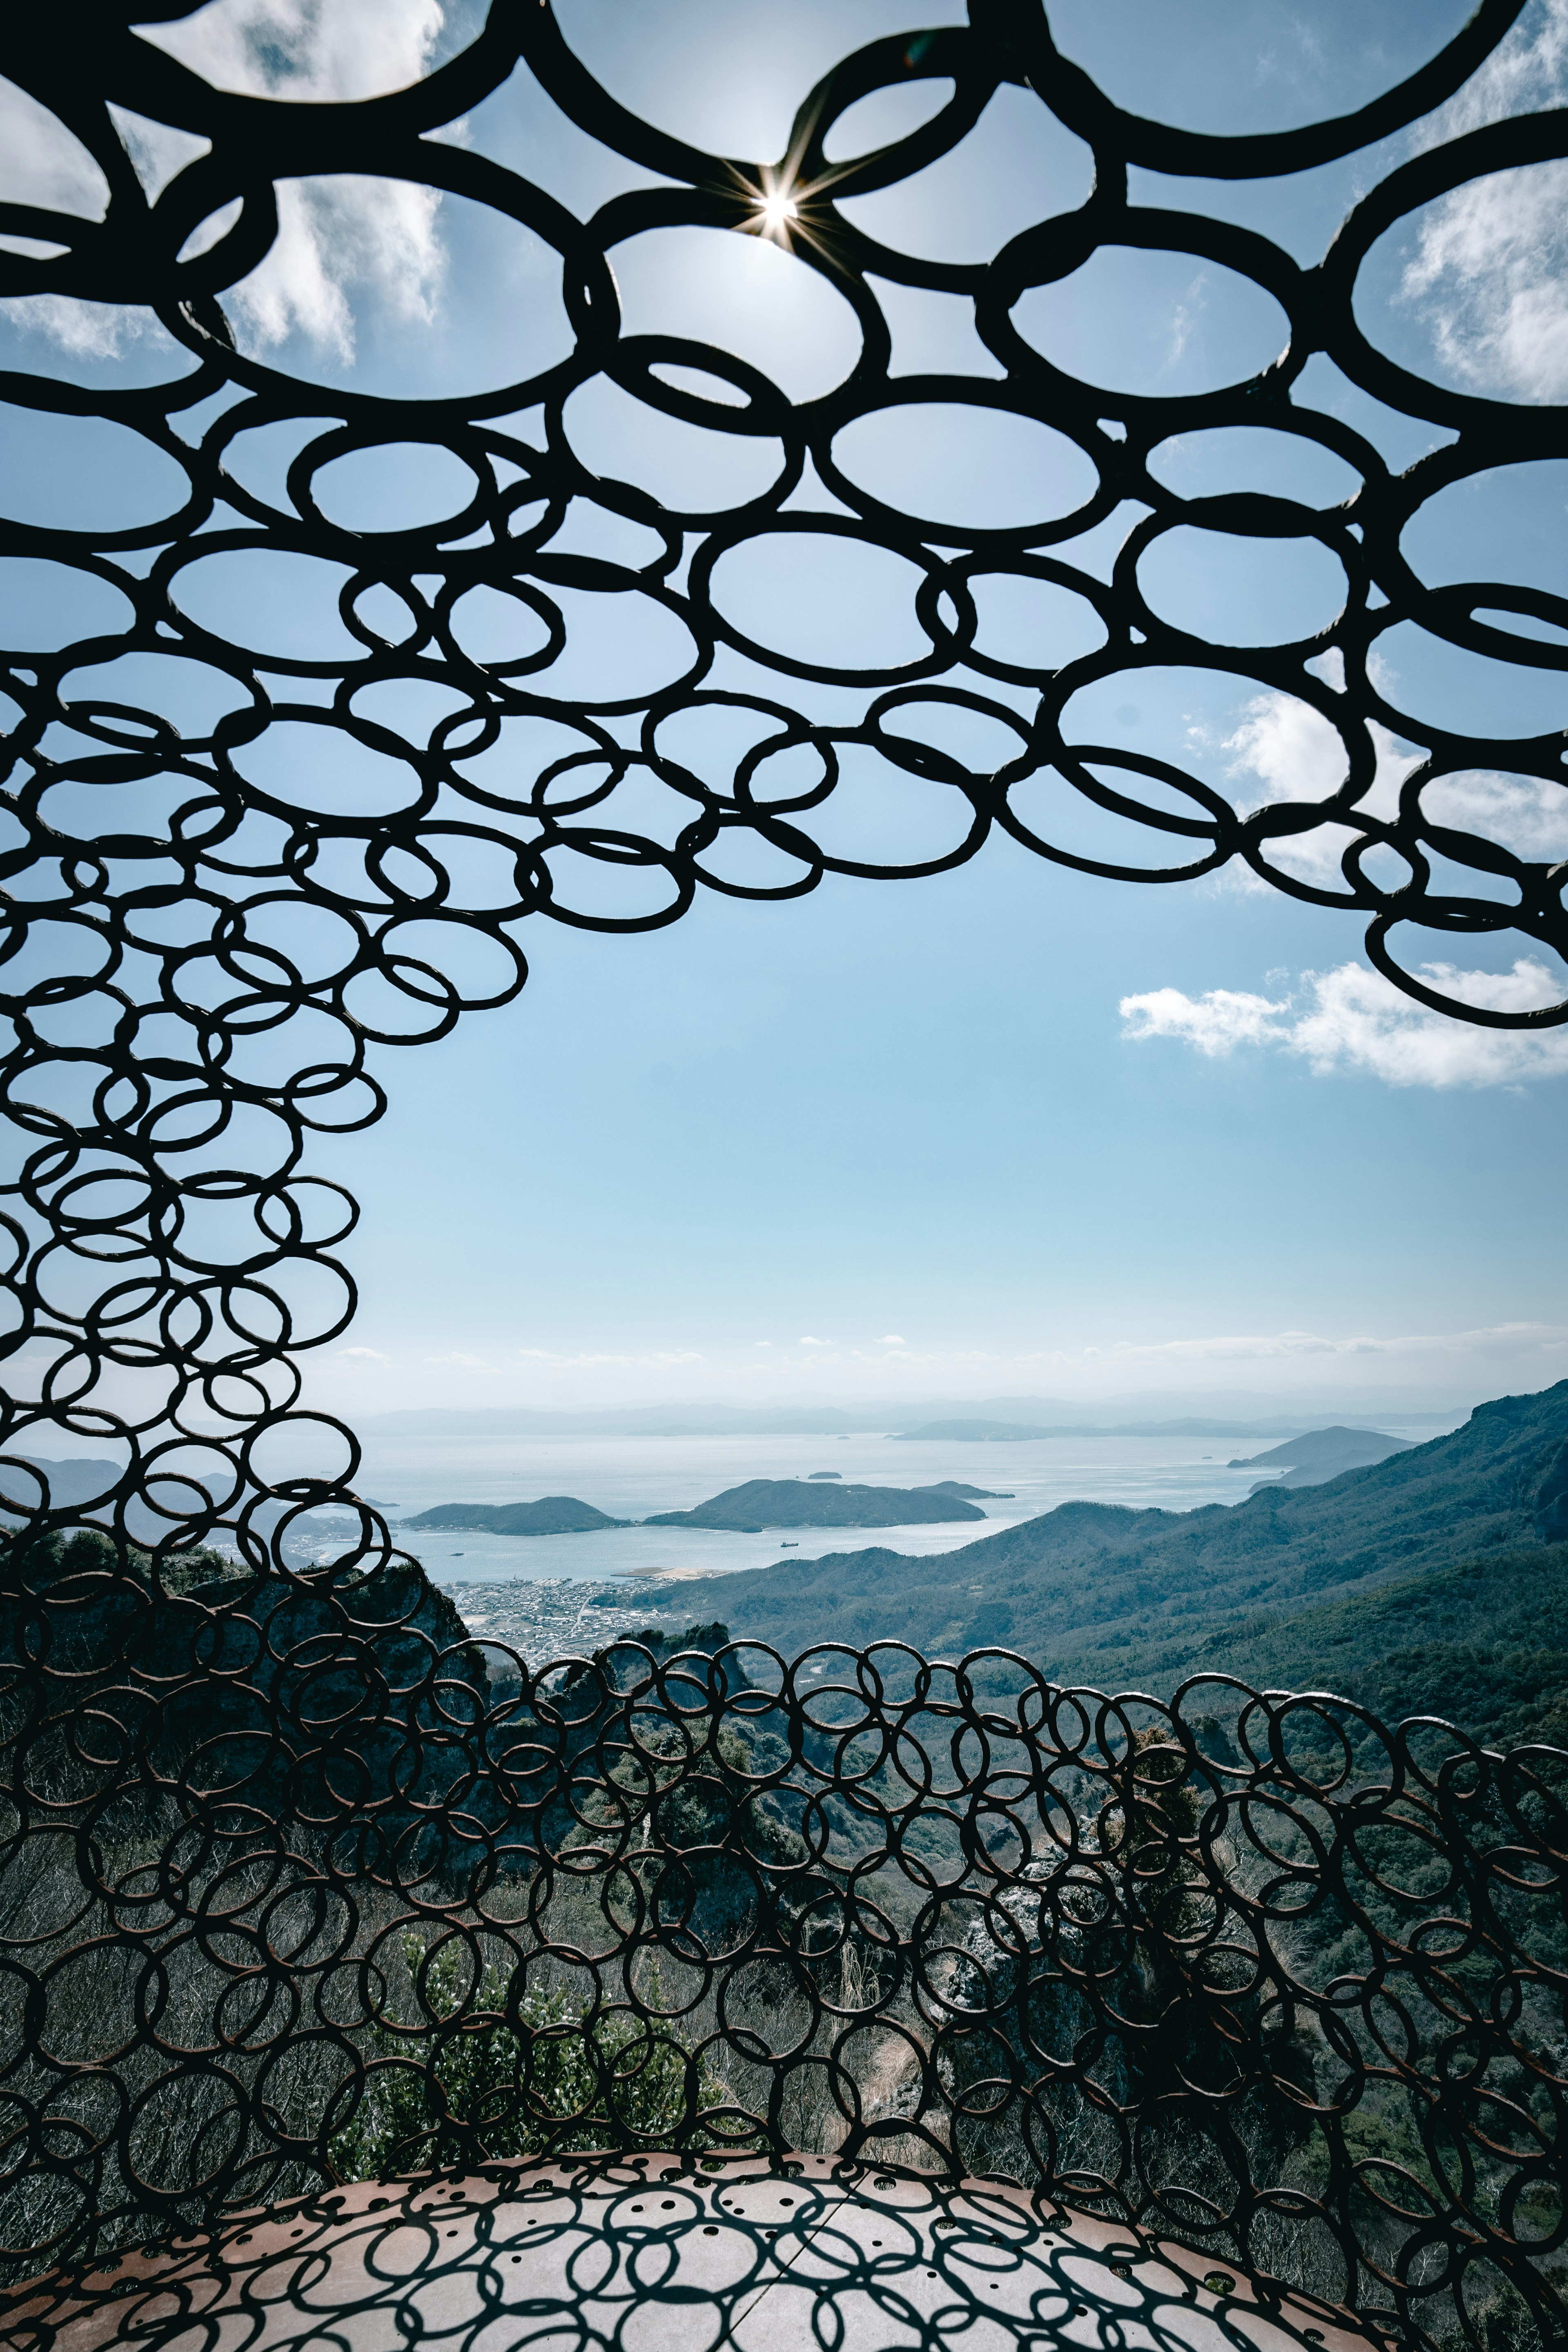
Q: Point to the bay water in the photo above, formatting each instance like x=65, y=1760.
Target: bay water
x=631, y=1477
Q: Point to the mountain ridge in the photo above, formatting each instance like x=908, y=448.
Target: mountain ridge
x=1085, y=1581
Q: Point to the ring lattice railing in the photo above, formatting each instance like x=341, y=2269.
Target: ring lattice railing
x=225, y=1798
x=303, y=1890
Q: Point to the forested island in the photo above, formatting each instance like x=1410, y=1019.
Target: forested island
x=746, y=1509
x=552, y=1515
x=803, y=1503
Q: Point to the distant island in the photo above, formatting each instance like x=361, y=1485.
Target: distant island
x=552, y=1515
x=1323, y=1454
x=994, y=1432
x=938, y=1486
x=801, y=1502
x=1010, y=1432
x=811, y=1502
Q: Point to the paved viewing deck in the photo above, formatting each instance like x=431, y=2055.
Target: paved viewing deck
x=665, y=2253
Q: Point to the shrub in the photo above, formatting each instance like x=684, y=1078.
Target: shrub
x=534, y=2075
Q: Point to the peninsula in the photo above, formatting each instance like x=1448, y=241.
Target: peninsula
x=1323, y=1454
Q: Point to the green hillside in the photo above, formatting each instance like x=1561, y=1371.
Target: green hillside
x=1484, y=1645
x=1119, y=1598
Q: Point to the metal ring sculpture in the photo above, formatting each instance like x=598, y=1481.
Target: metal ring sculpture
x=300, y=1889
x=220, y=969
x=225, y=1805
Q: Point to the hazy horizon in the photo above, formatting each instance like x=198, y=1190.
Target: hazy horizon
x=1150, y=1406
x=1447, y=1376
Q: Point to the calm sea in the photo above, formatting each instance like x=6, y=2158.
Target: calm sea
x=631, y=1476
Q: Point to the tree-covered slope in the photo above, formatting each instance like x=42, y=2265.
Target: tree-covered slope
x=1089, y=1587
x=1484, y=1645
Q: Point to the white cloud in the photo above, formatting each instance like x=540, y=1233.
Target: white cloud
x=1292, y=753
x=346, y=233
x=334, y=237
x=1186, y=315
x=456, y=1356
x=892, y=1340
x=1491, y=267
x=86, y=330
x=1384, y=1363
x=1248, y=1347
x=1289, y=749
x=328, y=51
x=361, y=1356
x=44, y=164
x=1529, y=1339
x=1526, y=71
x=808, y=1342
x=1354, y=1019
x=159, y=151
x=1526, y=814
x=1215, y=1023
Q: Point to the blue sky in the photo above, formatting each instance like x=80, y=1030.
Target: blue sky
x=1011, y=1129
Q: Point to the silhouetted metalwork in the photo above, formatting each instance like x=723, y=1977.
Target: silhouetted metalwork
x=212, y=918
x=301, y=1889
x=278, y=1842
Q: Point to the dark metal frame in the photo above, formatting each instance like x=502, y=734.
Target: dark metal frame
x=301, y=1888
x=224, y=1796
x=153, y=1023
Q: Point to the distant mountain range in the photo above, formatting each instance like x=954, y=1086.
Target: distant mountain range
x=1155, y=1414
x=1011, y=1432
x=80, y=1482
x=1123, y=1599
x=78, y=1478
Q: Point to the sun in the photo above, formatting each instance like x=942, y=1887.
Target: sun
x=777, y=210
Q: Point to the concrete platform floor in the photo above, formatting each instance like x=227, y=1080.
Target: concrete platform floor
x=663, y=2253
